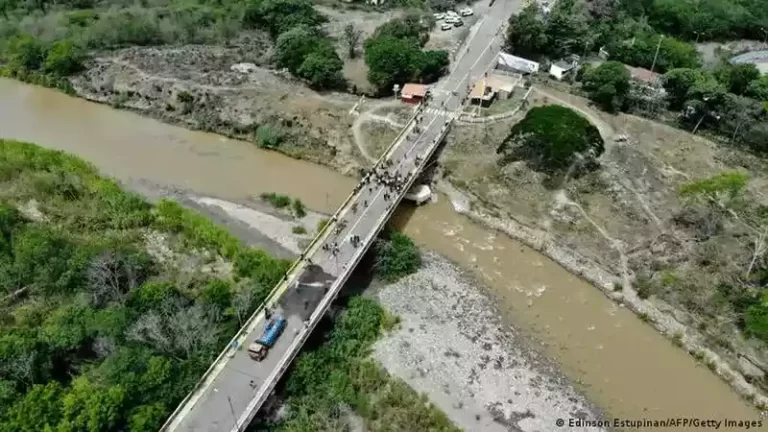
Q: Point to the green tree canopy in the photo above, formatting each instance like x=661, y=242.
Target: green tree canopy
x=551, y=139
x=677, y=83
x=607, y=84
x=63, y=58
x=293, y=46
x=322, y=68
x=737, y=78
x=391, y=61
x=279, y=16
x=526, y=33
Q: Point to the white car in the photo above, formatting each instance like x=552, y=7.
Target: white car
x=452, y=20
x=451, y=14
x=439, y=16
x=446, y=27
x=466, y=12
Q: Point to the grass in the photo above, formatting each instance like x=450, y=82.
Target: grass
x=298, y=229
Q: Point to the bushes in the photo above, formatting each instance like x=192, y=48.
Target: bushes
x=396, y=256
x=277, y=200
x=608, y=85
x=269, y=137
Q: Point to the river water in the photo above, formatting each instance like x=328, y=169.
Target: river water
x=621, y=364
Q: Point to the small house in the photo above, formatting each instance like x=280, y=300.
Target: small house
x=491, y=87
x=413, y=93
x=559, y=69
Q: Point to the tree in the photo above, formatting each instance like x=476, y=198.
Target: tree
x=8, y=5
x=279, y=16
x=552, y=139
x=526, y=33
x=758, y=88
x=677, y=83
x=24, y=54
x=38, y=410
x=147, y=418
x=293, y=46
x=608, y=85
x=705, y=98
x=352, y=39
x=92, y=408
x=391, y=61
x=64, y=58
x=433, y=64
x=322, y=68
x=737, y=78
x=217, y=293
x=566, y=28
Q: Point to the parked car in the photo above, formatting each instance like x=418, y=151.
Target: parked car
x=446, y=27
x=439, y=16
x=452, y=20
x=458, y=23
x=466, y=12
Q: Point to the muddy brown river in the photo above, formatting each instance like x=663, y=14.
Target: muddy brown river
x=620, y=363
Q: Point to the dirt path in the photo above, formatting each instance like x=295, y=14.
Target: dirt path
x=331, y=98
x=367, y=116
x=605, y=129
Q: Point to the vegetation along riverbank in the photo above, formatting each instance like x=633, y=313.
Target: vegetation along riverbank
x=113, y=307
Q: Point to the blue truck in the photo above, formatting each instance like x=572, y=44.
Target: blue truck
x=259, y=348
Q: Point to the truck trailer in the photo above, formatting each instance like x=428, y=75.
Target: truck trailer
x=259, y=348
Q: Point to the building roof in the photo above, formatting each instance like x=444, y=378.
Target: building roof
x=411, y=90
x=517, y=63
x=478, y=91
x=563, y=65
x=484, y=88
x=643, y=75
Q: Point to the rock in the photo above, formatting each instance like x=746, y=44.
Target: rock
x=244, y=68
x=749, y=369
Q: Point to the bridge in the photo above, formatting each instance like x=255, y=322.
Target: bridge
x=234, y=388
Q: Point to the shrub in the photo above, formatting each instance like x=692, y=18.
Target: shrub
x=322, y=224
x=298, y=208
x=396, y=256
x=63, y=58
x=276, y=200
x=298, y=229
x=268, y=136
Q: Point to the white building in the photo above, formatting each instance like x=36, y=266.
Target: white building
x=510, y=63
x=558, y=70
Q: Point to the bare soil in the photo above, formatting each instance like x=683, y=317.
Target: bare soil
x=195, y=86
x=624, y=220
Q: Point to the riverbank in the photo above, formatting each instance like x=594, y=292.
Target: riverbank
x=486, y=374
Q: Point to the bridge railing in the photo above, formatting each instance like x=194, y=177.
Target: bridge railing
x=284, y=282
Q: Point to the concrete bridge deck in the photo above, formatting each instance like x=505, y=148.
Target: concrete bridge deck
x=231, y=392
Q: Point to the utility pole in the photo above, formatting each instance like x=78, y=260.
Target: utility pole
x=656, y=56
x=653, y=65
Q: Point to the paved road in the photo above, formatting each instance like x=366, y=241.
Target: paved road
x=236, y=386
